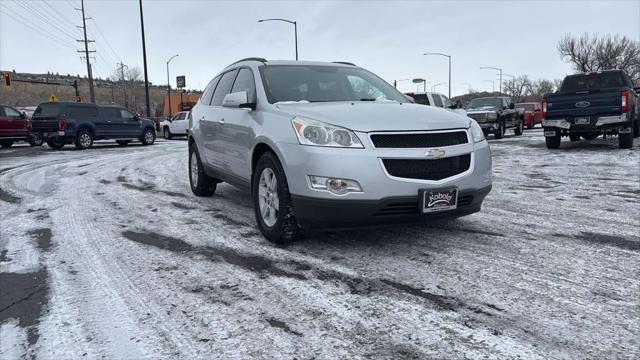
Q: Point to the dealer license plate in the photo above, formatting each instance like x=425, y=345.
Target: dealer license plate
x=438, y=200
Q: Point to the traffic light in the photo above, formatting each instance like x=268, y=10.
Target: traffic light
x=7, y=79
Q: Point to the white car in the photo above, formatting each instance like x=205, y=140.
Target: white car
x=177, y=125
x=438, y=100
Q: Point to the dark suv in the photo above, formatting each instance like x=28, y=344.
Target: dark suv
x=62, y=123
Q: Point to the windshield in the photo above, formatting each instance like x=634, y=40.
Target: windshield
x=317, y=83
x=527, y=107
x=484, y=102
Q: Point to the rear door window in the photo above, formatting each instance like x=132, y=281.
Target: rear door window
x=112, y=113
x=223, y=88
x=181, y=116
x=47, y=111
x=78, y=112
x=437, y=100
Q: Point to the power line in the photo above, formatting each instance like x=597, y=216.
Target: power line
x=33, y=27
x=62, y=17
x=105, y=39
x=44, y=19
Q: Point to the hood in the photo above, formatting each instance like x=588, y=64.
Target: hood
x=377, y=116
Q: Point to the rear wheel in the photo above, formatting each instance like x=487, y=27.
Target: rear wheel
x=167, y=133
x=84, y=139
x=123, y=142
x=35, y=141
x=148, y=137
x=272, y=201
x=532, y=123
x=574, y=137
x=636, y=126
x=519, y=128
x=625, y=141
x=201, y=183
x=553, y=142
x=6, y=143
x=56, y=144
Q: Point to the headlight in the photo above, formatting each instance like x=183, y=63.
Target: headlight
x=476, y=131
x=492, y=116
x=316, y=133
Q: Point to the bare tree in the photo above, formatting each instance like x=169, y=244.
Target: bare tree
x=540, y=87
x=593, y=53
x=518, y=87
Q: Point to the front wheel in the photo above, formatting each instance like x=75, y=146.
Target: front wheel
x=167, y=133
x=148, y=137
x=35, y=141
x=272, y=201
x=6, y=143
x=201, y=183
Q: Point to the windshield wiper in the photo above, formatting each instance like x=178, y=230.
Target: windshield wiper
x=367, y=99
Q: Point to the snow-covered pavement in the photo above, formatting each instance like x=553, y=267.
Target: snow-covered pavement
x=106, y=253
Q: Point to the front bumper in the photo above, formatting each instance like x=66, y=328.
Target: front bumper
x=314, y=213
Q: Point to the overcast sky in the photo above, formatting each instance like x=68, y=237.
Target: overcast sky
x=385, y=37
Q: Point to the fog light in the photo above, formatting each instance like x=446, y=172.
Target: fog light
x=334, y=185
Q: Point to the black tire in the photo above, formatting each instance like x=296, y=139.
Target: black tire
x=635, y=125
x=167, y=133
x=84, y=139
x=625, y=141
x=123, y=142
x=553, y=142
x=499, y=132
x=519, y=128
x=35, y=141
x=56, y=144
x=203, y=184
x=532, y=123
x=6, y=143
x=148, y=136
x=285, y=229
x=574, y=137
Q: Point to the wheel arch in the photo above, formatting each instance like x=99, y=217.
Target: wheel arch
x=262, y=146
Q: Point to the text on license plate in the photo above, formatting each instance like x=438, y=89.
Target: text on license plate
x=439, y=200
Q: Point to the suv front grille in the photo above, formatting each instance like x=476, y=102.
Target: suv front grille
x=419, y=140
x=478, y=117
x=427, y=169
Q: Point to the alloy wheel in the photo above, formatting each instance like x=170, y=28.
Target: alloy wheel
x=193, y=167
x=268, y=197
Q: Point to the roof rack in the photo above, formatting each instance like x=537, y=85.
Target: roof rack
x=344, y=63
x=262, y=60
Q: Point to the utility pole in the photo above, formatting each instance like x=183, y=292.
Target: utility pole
x=124, y=83
x=144, y=57
x=86, y=51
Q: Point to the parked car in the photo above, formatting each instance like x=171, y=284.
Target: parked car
x=331, y=145
x=592, y=104
x=532, y=113
x=15, y=126
x=177, y=125
x=438, y=100
x=62, y=123
x=496, y=114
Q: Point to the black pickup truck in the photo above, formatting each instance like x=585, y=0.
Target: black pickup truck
x=592, y=104
x=61, y=123
x=496, y=114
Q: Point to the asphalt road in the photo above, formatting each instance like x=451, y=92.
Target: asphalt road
x=106, y=253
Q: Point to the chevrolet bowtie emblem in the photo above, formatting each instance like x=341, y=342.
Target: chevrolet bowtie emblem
x=435, y=153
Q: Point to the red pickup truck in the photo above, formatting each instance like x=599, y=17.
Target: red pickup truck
x=15, y=126
x=532, y=113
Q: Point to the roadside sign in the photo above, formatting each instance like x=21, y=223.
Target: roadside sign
x=180, y=81
x=53, y=98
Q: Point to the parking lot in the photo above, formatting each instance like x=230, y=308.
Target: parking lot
x=108, y=254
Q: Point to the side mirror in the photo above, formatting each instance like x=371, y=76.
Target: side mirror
x=512, y=106
x=237, y=100
x=23, y=115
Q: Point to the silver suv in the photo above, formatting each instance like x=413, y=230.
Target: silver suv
x=331, y=145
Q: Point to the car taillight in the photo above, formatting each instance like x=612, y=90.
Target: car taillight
x=62, y=124
x=625, y=100
x=544, y=108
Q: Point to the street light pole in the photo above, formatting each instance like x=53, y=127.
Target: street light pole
x=169, y=84
x=449, y=57
x=295, y=29
x=495, y=68
x=144, y=58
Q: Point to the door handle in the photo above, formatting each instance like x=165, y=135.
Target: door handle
x=221, y=121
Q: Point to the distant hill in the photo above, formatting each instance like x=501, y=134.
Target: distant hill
x=106, y=91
